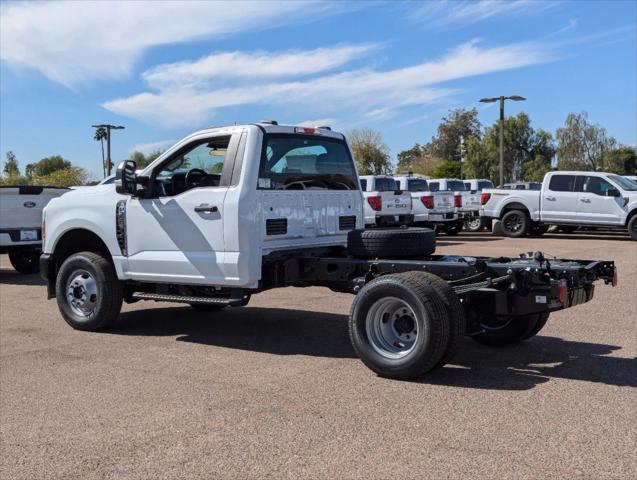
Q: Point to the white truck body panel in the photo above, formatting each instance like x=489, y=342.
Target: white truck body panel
x=169, y=242
x=393, y=203
x=569, y=198
x=443, y=203
x=21, y=214
x=470, y=200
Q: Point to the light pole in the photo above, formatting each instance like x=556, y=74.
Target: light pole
x=515, y=98
x=108, y=142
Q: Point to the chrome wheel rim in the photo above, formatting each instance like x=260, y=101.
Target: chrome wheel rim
x=392, y=327
x=474, y=223
x=81, y=293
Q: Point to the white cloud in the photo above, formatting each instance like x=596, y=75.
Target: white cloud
x=320, y=122
x=470, y=11
x=152, y=146
x=252, y=65
x=355, y=90
x=75, y=42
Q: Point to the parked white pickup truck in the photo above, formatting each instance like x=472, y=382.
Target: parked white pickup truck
x=385, y=203
x=567, y=199
x=428, y=208
x=21, y=223
x=232, y=211
x=476, y=223
x=467, y=203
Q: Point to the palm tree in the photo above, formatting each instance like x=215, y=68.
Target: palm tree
x=101, y=134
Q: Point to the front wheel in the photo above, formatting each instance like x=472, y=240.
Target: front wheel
x=25, y=261
x=632, y=227
x=515, y=223
x=88, y=291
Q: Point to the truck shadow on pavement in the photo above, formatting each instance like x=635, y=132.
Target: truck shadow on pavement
x=9, y=276
x=296, y=332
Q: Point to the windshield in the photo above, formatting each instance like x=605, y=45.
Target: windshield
x=624, y=183
x=417, y=185
x=306, y=162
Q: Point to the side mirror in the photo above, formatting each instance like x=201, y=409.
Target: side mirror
x=613, y=192
x=125, y=179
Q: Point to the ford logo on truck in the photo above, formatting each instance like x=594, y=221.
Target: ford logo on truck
x=29, y=204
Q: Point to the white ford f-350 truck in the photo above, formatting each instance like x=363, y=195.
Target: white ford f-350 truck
x=229, y=212
x=21, y=223
x=428, y=208
x=385, y=204
x=567, y=199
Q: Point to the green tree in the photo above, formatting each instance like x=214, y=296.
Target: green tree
x=101, y=134
x=11, y=168
x=622, y=160
x=448, y=169
x=370, y=153
x=64, y=177
x=458, y=124
x=47, y=166
x=582, y=145
x=143, y=160
x=408, y=158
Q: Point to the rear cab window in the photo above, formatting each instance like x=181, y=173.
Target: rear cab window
x=485, y=184
x=417, y=185
x=456, y=185
x=562, y=183
x=386, y=184
x=305, y=162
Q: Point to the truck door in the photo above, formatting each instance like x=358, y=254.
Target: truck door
x=593, y=204
x=559, y=199
x=179, y=231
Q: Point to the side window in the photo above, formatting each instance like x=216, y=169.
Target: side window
x=363, y=185
x=197, y=165
x=596, y=185
x=562, y=183
x=434, y=186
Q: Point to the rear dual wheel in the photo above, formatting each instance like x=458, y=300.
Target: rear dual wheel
x=404, y=325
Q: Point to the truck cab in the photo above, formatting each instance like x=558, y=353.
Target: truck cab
x=386, y=204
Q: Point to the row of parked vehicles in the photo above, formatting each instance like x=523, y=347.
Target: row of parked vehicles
x=406, y=199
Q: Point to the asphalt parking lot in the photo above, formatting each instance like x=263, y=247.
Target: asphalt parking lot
x=275, y=390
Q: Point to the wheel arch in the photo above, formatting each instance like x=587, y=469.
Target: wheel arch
x=630, y=215
x=78, y=240
x=514, y=206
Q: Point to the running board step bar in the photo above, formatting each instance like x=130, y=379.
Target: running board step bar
x=162, y=297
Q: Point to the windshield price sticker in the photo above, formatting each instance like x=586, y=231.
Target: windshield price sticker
x=265, y=183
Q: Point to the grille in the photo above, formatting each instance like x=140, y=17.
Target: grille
x=276, y=226
x=347, y=223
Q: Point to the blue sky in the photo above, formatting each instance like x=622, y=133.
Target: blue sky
x=393, y=66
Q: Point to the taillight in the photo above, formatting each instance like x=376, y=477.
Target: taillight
x=457, y=200
x=615, y=278
x=484, y=198
x=375, y=202
x=562, y=291
x=427, y=201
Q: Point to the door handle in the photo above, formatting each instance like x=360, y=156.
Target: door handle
x=551, y=199
x=205, y=208
x=585, y=200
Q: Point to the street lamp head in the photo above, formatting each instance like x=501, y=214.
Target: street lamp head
x=516, y=98
x=488, y=100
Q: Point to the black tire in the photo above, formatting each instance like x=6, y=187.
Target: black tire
x=538, y=230
x=474, y=224
x=541, y=321
x=97, y=282
x=503, y=331
x=25, y=261
x=515, y=223
x=632, y=227
x=454, y=228
x=431, y=323
x=455, y=313
x=567, y=228
x=391, y=242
